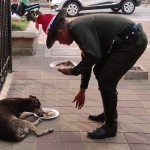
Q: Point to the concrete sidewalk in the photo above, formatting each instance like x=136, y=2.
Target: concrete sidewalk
x=33, y=76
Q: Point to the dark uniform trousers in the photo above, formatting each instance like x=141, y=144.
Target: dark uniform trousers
x=110, y=69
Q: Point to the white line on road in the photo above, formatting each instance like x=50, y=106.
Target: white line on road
x=140, y=19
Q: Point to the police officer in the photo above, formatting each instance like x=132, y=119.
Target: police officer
x=110, y=44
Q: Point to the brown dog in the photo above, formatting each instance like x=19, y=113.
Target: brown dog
x=12, y=111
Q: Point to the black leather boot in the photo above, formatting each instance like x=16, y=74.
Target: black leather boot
x=109, y=128
x=103, y=132
x=100, y=117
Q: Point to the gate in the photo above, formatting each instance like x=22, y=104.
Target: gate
x=5, y=41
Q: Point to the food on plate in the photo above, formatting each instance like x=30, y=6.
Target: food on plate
x=49, y=113
x=65, y=64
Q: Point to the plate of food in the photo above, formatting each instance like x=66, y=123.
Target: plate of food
x=63, y=64
x=49, y=113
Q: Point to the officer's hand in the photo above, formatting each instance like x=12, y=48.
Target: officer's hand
x=79, y=99
x=65, y=71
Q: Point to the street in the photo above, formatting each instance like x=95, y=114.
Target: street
x=141, y=13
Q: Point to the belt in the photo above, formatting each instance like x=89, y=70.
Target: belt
x=128, y=35
x=138, y=28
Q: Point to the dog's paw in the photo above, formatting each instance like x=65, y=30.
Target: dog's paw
x=23, y=115
x=40, y=120
x=47, y=131
x=50, y=130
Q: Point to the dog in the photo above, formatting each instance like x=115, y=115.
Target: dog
x=12, y=113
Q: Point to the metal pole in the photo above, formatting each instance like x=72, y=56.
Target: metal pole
x=9, y=37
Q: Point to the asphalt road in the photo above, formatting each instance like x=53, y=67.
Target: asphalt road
x=141, y=13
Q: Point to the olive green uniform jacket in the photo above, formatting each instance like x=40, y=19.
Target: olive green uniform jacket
x=93, y=34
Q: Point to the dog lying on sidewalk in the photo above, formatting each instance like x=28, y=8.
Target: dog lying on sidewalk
x=12, y=111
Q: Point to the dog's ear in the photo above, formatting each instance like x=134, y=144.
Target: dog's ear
x=31, y=96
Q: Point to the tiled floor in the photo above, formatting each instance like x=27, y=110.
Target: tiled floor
x=32, y=75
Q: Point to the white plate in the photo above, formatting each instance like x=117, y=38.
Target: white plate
x=53, y=65
x=50, y=117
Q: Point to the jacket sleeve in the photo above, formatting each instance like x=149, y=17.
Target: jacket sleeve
x=87, y=38
x=85, y=77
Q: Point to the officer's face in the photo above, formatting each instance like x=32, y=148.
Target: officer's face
x=63, y=37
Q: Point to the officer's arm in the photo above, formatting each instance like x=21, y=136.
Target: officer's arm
x=85, y=77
